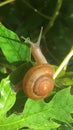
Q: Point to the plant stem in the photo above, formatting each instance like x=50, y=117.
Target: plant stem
x=53, y=18
x=35, y=10
x=64, y=63
x=5, y=2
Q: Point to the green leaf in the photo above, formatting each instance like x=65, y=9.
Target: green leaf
x=11, y=46
x=65, y=127
x=44, y=115
x=41, y=115
x=7, y=97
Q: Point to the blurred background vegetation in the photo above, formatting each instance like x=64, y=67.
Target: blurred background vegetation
x=25, y=17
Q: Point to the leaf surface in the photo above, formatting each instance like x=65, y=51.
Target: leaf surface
x=36, y=114
x=11, y=46
x=7, y=96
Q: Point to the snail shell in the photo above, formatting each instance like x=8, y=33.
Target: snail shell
x=38, y=81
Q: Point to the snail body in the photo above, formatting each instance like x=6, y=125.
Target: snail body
x=38, y=81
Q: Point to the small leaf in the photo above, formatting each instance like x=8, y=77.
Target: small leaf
x=11, y=46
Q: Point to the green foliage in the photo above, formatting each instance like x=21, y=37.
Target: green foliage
x=7, y=97
x=41, y=115
x=25, y=18
x=11, y=48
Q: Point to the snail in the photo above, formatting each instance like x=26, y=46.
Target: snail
x=38, y=81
